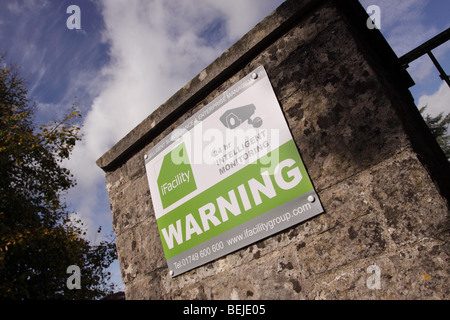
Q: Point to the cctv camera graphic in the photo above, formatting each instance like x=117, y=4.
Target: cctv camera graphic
x=233, y=118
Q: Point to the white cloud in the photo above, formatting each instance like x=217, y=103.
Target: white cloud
x=18, y=7
x=242, y=15
x=437, y=102
x=13, y=7
x=421, y=69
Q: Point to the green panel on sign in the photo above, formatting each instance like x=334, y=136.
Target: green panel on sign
x=254, y=190
x=175, y=179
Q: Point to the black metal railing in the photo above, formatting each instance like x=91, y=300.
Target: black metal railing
x=426, y=49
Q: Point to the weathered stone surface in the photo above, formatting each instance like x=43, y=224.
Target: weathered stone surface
x=328, y=257
x=140, y=251
x=382, y=205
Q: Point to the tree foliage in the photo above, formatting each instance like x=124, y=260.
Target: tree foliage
x=439, y=128
x=38, y=240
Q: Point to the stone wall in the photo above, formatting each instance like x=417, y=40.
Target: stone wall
x=381, y=178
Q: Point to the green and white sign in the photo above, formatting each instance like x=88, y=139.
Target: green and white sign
x=227, y=177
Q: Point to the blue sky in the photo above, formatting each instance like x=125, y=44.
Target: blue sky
x=131, y=56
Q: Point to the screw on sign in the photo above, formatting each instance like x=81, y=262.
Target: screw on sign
x=374, y=281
